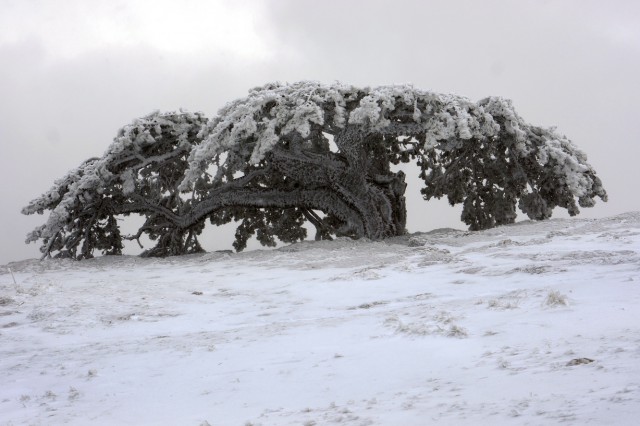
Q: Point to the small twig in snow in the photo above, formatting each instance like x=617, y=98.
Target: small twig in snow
x=15, y=283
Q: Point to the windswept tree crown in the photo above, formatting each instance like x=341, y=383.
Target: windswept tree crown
x=288, y=154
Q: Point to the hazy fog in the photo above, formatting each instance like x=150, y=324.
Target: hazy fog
x=73, y=72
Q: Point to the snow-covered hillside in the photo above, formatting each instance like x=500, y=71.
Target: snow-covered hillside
x=534, y=323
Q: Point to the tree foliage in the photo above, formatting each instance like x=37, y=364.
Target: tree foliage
x=291, y=154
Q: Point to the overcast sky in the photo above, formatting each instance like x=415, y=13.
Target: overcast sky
x=73, y=72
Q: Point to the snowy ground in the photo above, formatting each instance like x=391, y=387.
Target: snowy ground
x=535, y=323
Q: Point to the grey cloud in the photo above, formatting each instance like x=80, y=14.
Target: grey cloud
x=573, y=64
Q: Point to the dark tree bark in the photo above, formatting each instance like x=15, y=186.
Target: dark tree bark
x=367, y=198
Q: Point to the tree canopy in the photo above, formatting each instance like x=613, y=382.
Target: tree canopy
x=291, y=154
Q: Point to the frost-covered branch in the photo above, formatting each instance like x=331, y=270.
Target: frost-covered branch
x=273, y=159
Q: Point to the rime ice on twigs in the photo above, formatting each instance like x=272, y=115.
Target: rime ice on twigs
x=308, y=152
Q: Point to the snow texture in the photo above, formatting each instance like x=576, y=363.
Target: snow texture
x=531, y=323
x=279, y=109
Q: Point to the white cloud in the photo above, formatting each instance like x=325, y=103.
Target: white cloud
x=74, y=27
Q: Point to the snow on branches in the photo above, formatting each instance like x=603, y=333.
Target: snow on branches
x=287, y=154
x=97, y=190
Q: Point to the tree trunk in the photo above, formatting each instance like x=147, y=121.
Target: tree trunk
x=368, y=185
x=354, y=185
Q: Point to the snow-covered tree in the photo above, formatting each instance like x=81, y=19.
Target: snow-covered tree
x=288, y=154
x=139, y=173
